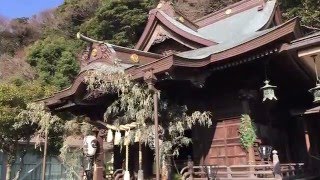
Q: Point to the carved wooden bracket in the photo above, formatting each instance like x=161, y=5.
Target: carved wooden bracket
x=150, y=78
x=101, y=51
x=160, y=38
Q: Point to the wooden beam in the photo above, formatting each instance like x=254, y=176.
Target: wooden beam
x=99, y=167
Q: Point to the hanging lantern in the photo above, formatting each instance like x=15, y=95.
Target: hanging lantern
x=109, y=136
x=316, y=90
x=316, y=93
x=268, y=91
x=117, y=138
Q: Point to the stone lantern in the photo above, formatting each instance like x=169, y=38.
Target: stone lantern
x=265, y=151
x=316, y=93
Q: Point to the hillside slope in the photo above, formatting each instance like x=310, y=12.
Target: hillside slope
x=119, y=22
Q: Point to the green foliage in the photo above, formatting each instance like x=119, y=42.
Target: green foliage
x=72, y=13
x=247, y=132
x=77, y=126
x=13, y=100
x=307, y=10
x=55, y=60
x=135, y=104
x=119, y=22
x=71, y=157
x=177, y=176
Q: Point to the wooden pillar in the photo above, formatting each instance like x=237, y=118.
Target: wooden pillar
x=44, y=160
x=245, y=96
x=140, y=171
x=287, y=146
x=150, y=79
x=99, y=168
x=306, y=135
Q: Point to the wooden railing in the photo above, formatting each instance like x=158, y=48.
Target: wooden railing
x=292, y=169
x=272, y=171
x=239, y=172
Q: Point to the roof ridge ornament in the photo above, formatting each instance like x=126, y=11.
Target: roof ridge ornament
x=167, y=7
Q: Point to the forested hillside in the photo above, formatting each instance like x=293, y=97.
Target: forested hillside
x=47, y=41
x=38, y=55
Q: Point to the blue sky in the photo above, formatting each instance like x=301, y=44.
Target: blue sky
x=25, y=8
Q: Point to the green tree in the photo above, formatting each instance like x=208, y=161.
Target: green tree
x=120, y=22
x=307, y=10
x=72, y=13
x=55, y=60
x=247, y=132
x=14, y=97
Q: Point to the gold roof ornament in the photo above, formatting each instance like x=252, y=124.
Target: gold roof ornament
x=228, y=11
x=159, y=5
x=134, y=58
x=181, y=19
x=94, y=52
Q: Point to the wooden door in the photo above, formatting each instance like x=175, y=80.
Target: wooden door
x=225, y=146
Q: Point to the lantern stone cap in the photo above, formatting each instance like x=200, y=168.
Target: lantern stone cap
x=267, y=85
x=315, y=88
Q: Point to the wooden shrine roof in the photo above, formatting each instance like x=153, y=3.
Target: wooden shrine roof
x=230, y=24
x=210, y=55
x=233, y=9
x=252, y=38
x=162, y=64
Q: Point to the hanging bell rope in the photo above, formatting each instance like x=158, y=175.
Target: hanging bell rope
x=126, y=141
x=109, y=136
x=137, y=136
x=117, y=138
x=126, y=138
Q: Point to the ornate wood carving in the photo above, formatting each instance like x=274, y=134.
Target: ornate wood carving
x=94, y=94
x=97, y=52
x=160, y=38
x=85, y=56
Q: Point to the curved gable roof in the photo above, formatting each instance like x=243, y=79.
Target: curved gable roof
x=245, y=23
x=157, y=16
x=255, y=40
x=233, y=8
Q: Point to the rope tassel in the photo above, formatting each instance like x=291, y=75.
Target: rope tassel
x=109, y=136
x=126, y=138
x=117, y=138
x=137, y=136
